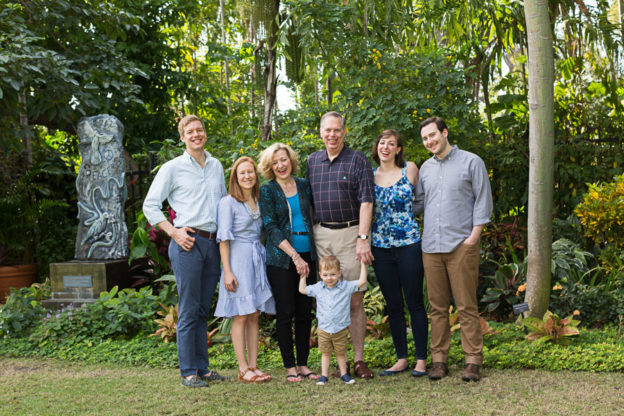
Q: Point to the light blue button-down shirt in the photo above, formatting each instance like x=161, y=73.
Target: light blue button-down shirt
x=333, y=305
x=191, y=191
x=455, y=195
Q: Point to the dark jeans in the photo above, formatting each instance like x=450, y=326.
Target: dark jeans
x=400, y=272
x=197, y=274
x=289, y=304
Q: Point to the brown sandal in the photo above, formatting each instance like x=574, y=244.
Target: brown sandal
x=362, y=371
x=255, y=379
x=264, y=376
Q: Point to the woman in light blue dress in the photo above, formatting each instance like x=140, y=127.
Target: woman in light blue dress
x=244, y=290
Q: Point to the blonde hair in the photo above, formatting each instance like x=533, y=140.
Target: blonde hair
x=329, y=263
x=266, y=159
x=235, y=189
x=186, y=120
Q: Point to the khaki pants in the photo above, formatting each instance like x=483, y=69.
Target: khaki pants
x=340, y=243
x=457, y=273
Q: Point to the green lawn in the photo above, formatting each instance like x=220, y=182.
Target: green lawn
x=50, y=387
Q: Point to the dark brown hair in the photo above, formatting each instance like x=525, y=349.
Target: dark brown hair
x=437, y=120
x=235, y=189
x=398, y=159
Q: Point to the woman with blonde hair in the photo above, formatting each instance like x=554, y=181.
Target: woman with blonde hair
x=244, y=291
x=285, y=203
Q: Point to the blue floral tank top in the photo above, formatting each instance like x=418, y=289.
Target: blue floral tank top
x=394, y=224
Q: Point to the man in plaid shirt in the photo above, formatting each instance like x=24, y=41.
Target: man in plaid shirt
x=342, y=191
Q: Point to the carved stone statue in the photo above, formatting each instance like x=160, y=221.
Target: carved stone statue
x=102, y=230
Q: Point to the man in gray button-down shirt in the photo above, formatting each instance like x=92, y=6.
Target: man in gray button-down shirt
x=454, y=191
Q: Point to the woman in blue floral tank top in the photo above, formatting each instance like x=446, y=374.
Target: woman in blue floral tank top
x=397, y=250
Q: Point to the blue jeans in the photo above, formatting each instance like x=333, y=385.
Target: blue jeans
x=400, y=273
x=197, y=273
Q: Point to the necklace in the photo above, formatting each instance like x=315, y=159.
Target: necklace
x=253, y=214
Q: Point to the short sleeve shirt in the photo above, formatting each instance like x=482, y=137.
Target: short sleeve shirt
x=340, y=186
x=333, y=305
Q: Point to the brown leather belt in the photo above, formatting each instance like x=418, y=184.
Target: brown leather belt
x=208, y=234
x=339, y=225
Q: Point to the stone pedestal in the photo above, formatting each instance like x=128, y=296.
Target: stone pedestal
x=81, y=282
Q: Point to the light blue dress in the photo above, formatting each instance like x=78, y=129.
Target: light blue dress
x=242, y=227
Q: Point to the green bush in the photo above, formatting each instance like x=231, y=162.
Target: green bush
x=115, y=314
x=21, y=312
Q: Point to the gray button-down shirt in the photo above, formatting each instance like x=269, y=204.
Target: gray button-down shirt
x=192, y=192
x=455, y=194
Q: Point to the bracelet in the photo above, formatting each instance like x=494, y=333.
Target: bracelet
x=295, y=257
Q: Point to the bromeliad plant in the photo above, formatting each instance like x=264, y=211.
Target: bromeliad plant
x=551, y=328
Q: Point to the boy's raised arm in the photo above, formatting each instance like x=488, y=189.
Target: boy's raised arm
x=302, y=285
x=363, y=274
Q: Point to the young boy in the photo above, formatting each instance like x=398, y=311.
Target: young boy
x=333, y=299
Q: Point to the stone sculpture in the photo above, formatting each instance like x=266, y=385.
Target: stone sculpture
x=102, y=230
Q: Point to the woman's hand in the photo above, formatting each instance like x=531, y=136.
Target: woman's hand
x=230, y=281
x=303, y=269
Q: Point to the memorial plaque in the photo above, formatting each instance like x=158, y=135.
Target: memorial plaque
x=77, y=281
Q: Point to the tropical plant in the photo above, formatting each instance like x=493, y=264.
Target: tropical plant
x=168, y=324
x=503, y=294
x=551, y=328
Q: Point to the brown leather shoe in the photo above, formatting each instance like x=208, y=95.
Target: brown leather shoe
x=361, y=370
x=471, y=373
x=438, y=371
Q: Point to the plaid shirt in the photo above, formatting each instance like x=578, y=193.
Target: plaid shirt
x=340, y=186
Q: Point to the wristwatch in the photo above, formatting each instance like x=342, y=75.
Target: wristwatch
x=363, y=236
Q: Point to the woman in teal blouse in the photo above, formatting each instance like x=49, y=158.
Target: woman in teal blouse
x=285, y=204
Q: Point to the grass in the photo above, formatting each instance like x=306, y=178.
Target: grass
x=54, y=387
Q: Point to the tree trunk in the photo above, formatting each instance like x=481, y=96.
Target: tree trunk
x=541, y=154
x=23, y=121
x=271, y=26
x=269, y=89
x=226, y=67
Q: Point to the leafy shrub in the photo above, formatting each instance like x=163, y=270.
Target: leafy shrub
x=602, y=212
x=21, y=312
x=115, y=314
x=149, y=256
x=551, y=328
x=568, y=256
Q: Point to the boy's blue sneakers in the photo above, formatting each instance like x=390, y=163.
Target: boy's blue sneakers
x=322, y=380
x=347, y=379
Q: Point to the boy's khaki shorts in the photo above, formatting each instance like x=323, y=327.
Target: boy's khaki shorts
x=333, y=342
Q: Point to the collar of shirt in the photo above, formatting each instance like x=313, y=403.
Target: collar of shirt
x=448, y=156
x=188, y=156
x=336, y=286
x=325, y=155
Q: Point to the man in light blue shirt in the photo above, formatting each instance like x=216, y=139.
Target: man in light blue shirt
x=193, y=184
x=454, y=191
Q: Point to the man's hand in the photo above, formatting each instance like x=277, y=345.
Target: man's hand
x=230, y=281
x=182, y=238
x=363, y=251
